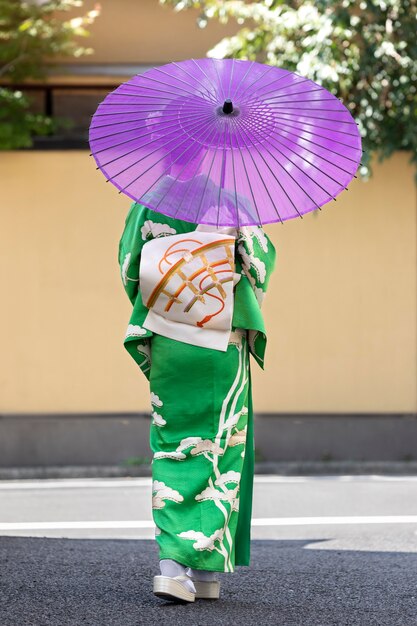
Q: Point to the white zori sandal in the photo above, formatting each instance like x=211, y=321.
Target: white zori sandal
x=205, y=583
x=207, y=589
x=173, y=588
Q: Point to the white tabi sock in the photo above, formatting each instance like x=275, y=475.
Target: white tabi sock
x=202, y=574
x=172, y=568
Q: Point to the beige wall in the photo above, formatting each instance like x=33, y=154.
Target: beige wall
x=341, y=310
x=143, y=31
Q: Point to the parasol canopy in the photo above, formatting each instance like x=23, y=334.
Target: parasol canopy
x=225, y=142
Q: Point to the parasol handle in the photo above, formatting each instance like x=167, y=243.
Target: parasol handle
x=227, y=106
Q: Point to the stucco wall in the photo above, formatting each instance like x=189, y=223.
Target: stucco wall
x=144, y=31
x=341, y=310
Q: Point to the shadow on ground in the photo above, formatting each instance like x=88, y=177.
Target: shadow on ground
x=86, y=582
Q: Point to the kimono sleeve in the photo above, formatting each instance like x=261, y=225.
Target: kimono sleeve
x=137, y=338
x=256, y=260
x=130, y=247
x=258, y=257
x=141, y=225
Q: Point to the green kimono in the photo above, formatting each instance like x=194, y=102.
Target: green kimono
x=201, y=433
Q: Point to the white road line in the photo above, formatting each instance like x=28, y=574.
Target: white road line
x=275, y=478
x=262, y=521
x=75, y=525
x=93, y=483
x=133, y=483
x=330, y=520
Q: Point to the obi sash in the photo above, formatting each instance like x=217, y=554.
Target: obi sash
x=186, y=282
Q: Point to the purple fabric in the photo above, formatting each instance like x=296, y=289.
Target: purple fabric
x=288, y=147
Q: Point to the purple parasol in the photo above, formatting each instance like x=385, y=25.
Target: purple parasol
x=225, y=142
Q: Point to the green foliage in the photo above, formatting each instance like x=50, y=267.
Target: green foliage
x=17, y=124
x=362, y=51
x=33, y=33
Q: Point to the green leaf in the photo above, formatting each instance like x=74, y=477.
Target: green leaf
x=25, y=25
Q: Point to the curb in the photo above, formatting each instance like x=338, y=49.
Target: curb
x=293, y=468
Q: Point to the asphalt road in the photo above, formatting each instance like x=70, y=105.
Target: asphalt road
x=326, y=551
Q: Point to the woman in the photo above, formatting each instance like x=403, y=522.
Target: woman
x=196, y=292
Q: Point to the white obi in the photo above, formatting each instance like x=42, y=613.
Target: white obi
x=186, y=282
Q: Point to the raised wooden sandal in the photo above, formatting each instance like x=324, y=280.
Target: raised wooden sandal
x=208, y=589
x=171, y=588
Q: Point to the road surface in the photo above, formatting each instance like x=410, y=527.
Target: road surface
x=326, y=550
